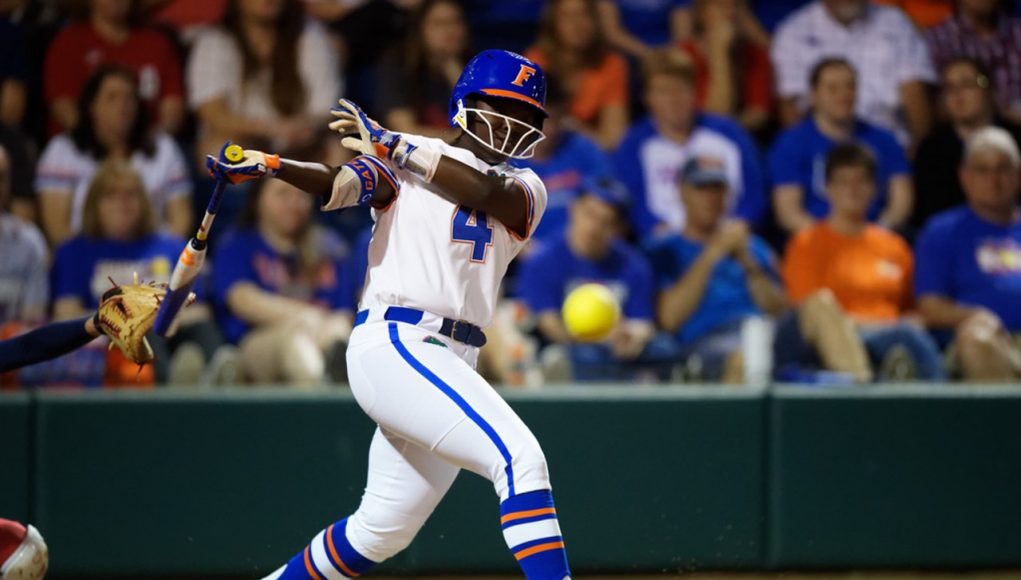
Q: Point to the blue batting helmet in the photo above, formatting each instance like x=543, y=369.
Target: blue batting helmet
x=500, y=73
x=506, y=75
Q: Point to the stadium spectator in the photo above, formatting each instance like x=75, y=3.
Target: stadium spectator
x=591, y=250
x=968, y=279
x=277, y=289
x=108, y=34
x=712, y=275
x=732, y=71
x=867, y=269
x=924, y=13
x=20, y=154
x=264, y=76
x=24, y=282
x=572, y=48
x=415, y=79
x=985, y=31
x=639, y=27
x=797, y=159
x=890, y=56
x=563, y=160
x=656, y=147
x=119, y=239
x=111, y=126
x=967, y=98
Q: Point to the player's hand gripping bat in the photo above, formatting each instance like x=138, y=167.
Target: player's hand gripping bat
x=189, y=263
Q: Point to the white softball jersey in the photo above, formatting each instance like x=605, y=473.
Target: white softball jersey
x=432, y=254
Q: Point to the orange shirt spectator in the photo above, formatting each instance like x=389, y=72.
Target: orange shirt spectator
x=596, y=88
x=869, y=273
x=572, y=48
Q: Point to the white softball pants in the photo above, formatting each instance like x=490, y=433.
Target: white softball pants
x=436, y=415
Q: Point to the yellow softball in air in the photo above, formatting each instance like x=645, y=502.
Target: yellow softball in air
x=234, y=153
x=591, y=312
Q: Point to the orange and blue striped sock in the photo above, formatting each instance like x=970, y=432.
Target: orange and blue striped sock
x=329, y=556
x=532, y=532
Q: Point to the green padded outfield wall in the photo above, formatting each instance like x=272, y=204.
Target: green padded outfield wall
x=895, y=477
x=15, y=456
x=129, y=484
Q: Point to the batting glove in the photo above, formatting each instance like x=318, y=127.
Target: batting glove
x=374, y=140
x=255, y=165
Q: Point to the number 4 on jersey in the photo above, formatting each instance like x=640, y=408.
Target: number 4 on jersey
x=472, y=227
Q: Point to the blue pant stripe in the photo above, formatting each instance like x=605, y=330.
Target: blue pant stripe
x=532, y=500
x=458, y=400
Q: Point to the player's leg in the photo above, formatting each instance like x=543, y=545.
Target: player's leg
x=405, y=484
x=429, y=395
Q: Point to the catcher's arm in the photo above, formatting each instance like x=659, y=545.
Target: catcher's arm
x=46, y=342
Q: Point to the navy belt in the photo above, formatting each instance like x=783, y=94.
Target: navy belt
x=458, y=330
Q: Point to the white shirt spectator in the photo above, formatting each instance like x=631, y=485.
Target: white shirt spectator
x=883, y=45
x=66, y=170
x=216, y=69
x=24, y=278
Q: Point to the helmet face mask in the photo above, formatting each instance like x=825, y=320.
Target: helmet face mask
x=518, y=138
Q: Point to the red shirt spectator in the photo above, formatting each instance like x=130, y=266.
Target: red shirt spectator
x=756, y=90
x=82, y=47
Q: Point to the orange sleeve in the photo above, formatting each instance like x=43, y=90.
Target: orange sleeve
x=801, y=267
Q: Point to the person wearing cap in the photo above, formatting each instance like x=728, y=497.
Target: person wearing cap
x=592, y=250
x=863, y=272
x=23, y=552
x=712, y=276
x=968, y=279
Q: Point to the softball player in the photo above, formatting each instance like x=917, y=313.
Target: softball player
x=449, y=219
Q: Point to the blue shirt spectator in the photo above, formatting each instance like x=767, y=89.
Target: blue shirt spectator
x=245, y=256
x=727, y=298
x=973, y=261
x=638, y=26
x=590, y=250
x=648, y=161
x=798, y=157
x=83, y=266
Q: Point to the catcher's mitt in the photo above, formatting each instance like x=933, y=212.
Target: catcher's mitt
x=126, y=313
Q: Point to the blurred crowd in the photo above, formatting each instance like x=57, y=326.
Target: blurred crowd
x=795, y=190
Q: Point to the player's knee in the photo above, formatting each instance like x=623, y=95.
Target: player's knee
x=380, y=536
x=529, y=470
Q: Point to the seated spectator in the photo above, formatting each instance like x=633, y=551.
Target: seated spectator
x=656, y=147
x=967, y=98
x=890, y=56
x=732, y=72
x=969, y=262
x=591, y=250
x=277, y=289
x=21, y=157
x=416, y=78
x=638, y=28
x=264, y=76
x=185, y=17
x=112, y=126
x=571, y=47
x=24, y=282
x=985, y=31
x=119, y=239
x=109, y=36
x=867, y=269
x=798, y=157
x=564, y=160
x=712, y=276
